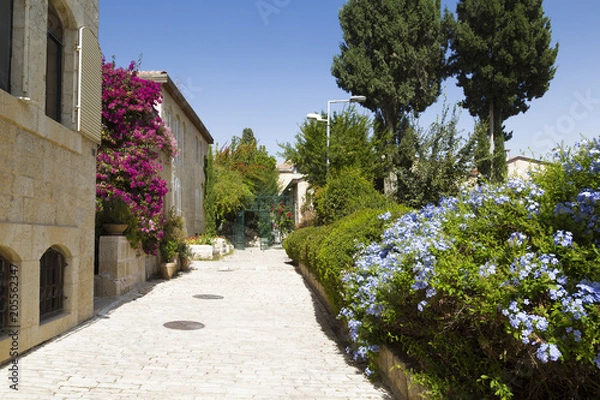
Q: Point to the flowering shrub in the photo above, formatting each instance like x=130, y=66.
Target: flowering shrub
x=200, y=240
x=493, y=293
x=282, y=218
x=128, y=161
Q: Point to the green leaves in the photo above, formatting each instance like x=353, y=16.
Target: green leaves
x=502, y=59
x=393, y=53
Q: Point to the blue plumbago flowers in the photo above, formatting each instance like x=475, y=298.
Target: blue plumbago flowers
x=517, y=239
x=487, y=270
x=563, y=238
x=542, y=303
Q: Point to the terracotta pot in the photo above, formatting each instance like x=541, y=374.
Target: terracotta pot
x=185, y=263
x=167, y=270
x=114, y=229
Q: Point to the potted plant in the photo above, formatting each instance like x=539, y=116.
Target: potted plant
x=174, y=234
x=185, y=256
x=168, y=254
x=115, y=215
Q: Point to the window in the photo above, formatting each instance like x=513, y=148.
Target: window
x=6, y=273
x=6, y=16
x=54, y=63
x=52, y=270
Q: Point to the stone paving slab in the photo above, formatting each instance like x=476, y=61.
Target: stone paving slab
x=266, y=339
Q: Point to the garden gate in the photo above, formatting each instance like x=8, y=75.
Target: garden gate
x=266, y=207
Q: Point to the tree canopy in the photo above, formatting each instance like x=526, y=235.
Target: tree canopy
x=503, y=59
x=243, y=170
x=392, y=53
x=350, y=146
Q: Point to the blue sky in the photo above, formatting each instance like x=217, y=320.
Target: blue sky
x=266, y=64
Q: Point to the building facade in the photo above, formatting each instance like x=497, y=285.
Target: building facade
x=50, y=122
x=184, y=173
x=293, y=184
x=522, y=167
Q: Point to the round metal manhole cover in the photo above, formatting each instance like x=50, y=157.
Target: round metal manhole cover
x=184, y=325
x=208, y=297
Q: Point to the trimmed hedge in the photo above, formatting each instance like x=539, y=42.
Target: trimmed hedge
x=329, y=250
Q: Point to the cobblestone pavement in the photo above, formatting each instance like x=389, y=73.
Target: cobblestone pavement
x=266, y=338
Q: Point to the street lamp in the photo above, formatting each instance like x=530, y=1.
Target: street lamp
x=319, y=118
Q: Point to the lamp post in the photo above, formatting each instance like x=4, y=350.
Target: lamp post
x=319, y=118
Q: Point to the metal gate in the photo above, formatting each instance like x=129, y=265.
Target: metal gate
x=263, y=206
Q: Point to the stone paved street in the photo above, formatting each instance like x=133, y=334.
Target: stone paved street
x=266, y=339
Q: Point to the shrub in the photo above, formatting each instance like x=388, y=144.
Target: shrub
x=200, y=240
x=329, y=250
x=345, y=193
x=494, y=293
x=295, y=244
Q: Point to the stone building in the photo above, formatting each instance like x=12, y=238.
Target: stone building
x=185, y=173
x=521, y=167
x=50, y=121
x=293, y=184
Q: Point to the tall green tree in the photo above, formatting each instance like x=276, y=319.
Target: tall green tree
x=393, y=52
x=257, y=168
x=350, y=145
x=503, y=59
x=210, y=198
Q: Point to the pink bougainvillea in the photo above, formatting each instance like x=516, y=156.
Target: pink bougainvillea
x=134, y=138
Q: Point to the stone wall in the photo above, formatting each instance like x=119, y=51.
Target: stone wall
x=47, y=176
x=120, y=269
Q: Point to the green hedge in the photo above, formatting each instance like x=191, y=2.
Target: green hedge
x=328, y=250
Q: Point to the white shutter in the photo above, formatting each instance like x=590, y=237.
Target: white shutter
x=89, y=96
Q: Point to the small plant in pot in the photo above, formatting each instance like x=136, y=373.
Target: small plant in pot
x=185, y=256
x=115, y=215
x=168, y=254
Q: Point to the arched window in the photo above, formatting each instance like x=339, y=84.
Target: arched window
x=52, y=276
x=8, y=274
x=6, y=17
x=54, y=62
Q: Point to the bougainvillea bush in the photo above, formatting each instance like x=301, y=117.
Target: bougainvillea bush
x=494, y=293
x=134, y=138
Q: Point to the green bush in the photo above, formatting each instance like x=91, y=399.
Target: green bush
x=328, y=250
x=494, y=293
x=346, y=193
x=295, y=244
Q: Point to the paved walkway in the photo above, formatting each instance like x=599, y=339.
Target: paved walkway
x=266, y=339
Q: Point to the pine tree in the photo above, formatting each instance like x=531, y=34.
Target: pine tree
x=503, y=60
x=394, y=54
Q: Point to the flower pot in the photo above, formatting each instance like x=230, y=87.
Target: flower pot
x=114, y=229
x=185, y=263
x=167, y=270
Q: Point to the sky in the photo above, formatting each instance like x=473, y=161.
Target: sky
x=266, y=64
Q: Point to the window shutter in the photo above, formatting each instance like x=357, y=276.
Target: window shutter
x=89, y=98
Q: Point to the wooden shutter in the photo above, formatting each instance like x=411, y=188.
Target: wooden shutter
x=89, y=98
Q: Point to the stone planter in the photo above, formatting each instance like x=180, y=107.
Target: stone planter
x=202, y=251
x=167, y=270
x=114, y=229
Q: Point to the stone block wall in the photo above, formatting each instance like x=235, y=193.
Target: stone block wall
x=119, y=268
x=47, y=176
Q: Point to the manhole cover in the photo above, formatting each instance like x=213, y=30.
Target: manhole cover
x=208, y=297
x=184, y=325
